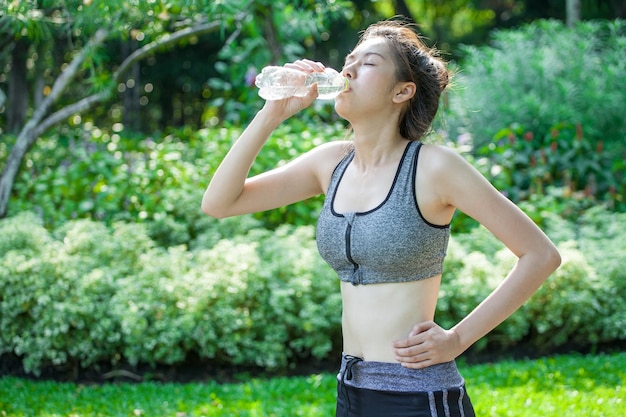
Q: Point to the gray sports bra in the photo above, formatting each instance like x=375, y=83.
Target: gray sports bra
x=390, y=243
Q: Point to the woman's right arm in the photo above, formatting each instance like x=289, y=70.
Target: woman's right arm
x=231, y=192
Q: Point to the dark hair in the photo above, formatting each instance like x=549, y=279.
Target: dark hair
x=418, y=63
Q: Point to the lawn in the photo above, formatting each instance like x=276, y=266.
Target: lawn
x=564, y=386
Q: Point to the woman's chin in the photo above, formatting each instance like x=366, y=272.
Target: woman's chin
x=341, y=107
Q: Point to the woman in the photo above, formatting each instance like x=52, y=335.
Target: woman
x=384, y=226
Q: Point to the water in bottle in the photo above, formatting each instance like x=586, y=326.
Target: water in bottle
x=276, y=83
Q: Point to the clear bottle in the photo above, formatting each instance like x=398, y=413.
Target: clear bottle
x=276, y=83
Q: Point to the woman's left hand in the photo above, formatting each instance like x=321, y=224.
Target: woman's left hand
x=427, y=344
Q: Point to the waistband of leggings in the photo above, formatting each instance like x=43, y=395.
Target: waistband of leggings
x=390, y=376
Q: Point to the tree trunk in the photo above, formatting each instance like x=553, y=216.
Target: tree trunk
x=572, y=12
x=403, y=9
x=17, y=104
x=29, y=133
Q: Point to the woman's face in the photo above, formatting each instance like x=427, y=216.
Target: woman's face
x=372, y=76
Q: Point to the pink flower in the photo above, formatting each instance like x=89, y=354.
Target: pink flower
x=579, y=131
x=250, y=76
x=511, y=138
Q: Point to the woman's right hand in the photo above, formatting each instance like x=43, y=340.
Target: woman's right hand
x=284, y=109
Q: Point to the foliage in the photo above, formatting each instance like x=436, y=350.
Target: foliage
x=560, y=385
x=275, y=32
x=556, y=91
x=159, y=180
x=86, y=294
x=560, y=313
x=544, y=74
x=543, y=106
x=571, y=296
x=251, y=34
x=527, y=167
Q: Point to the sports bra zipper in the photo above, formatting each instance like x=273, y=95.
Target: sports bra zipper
x=355, y=278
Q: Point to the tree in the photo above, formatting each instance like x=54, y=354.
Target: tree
x=572, y=12
x=73, y=34
x=26, y=21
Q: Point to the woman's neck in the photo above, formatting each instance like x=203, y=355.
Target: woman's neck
x=376, y=144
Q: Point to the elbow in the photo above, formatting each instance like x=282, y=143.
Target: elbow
x=211, y=209
x=553, y=258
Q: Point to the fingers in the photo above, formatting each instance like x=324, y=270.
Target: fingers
x=422, y=327
x=414, y=335
x=427, y=344
x=306, y=65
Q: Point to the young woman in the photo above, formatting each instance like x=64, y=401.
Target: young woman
x=384, y=226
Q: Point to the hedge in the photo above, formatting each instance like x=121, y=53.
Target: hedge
x=87, y=294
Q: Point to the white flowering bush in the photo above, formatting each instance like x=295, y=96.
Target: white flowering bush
x=86, y=294
x=475, y=265
x=567, y=308
x=54, y=296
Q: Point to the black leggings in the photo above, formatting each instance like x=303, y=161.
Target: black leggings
x=360, y=402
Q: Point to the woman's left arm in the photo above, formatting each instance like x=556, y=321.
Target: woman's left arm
x=461, y=186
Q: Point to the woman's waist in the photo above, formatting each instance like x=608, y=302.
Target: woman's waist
x=376, y=315
x=370, y=333
x=388, y=376
x=372, y=340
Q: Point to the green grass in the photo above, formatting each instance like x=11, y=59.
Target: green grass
x=564, y=386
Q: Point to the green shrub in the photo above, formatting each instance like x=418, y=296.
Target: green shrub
x=156, y=180
x=526, y=166
x=87, y=293
x=476, y=263
x=598, y=234
x=601, y=238
x=543, y=106
x=568, y=308
x=283, y=300
x=47, y=305
x=543, y=74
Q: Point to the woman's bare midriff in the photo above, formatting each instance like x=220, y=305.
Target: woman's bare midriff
x=375, y=315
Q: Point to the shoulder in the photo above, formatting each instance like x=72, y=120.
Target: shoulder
x=337, y=149
x=328, y=155
x=451, y=175
x=320, y=162
x=439, y=159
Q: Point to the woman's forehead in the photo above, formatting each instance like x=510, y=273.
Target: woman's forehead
x=375, y=46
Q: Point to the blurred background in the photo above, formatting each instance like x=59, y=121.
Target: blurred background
x=114, y=115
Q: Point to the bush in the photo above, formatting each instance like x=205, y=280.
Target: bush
x=543, y=74
x=157, y=180
x=543, y=106
x=54, y=298
x=87, y=294
x=568, y=308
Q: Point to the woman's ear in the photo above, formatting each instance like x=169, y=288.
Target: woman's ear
x=404, y=92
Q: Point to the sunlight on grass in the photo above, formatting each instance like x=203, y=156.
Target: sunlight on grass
x=571, y=386
x=560, y=386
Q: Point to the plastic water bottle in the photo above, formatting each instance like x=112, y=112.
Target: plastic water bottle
x=276, y=83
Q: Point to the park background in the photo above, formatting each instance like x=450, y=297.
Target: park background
x=113, y=117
